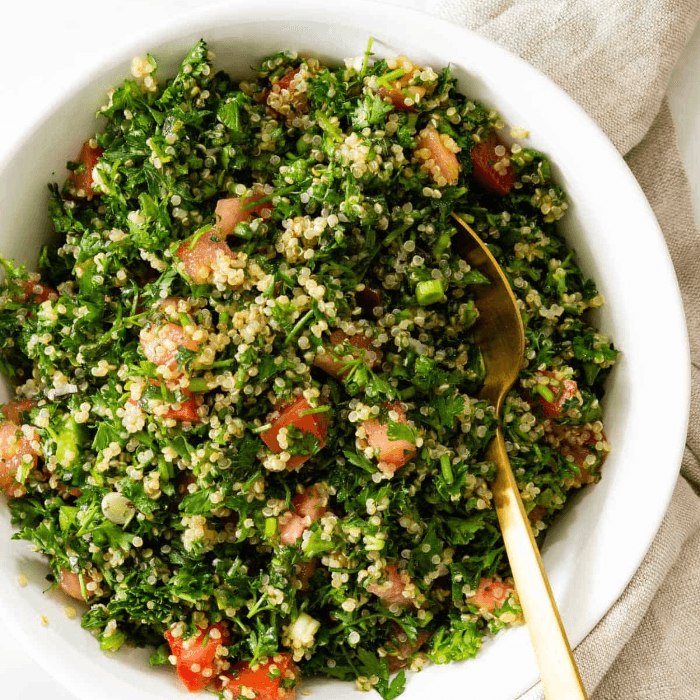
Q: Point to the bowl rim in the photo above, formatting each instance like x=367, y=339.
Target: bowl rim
x=377, y=10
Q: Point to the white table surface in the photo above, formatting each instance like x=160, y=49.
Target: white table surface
x=43, y=43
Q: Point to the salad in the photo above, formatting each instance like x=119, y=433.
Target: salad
x=247, y=430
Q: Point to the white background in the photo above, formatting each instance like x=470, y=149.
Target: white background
x=44, y=44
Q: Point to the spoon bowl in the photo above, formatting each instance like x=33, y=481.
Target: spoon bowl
x=500, y=335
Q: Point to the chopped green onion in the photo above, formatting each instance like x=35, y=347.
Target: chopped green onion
x=446, y=468
x=429, y=292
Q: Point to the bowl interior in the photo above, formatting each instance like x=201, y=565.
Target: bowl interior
x=598, y=542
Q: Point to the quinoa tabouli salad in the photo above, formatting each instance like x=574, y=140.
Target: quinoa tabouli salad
x=246, y=430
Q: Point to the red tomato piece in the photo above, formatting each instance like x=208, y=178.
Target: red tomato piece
x=308, y=507
x=16, y=450
x=197, y=656
x=432, y=148
x=578, y=443
x=81, y=184
x=290, y=414
x=69, y=583
x=284, y=98
x=185, y=411
x=402, y=95
x=36, y=292
x=328, y=361
x=274, y=679
x=200, y=260
x=161, y=343
x=562, y=389
x=400, y=649
x=393, y=587
x=492, y=593
x=14, y=410
x=537, y=513
x=368, y=300
x=304, y=570
x=496, y=179
x=232, y=211
x=392, y=454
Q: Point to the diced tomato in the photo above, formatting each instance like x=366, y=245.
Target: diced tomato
x=284, y=99
x=537, y=513
x=198, y=656
x=311, y=504
x=16, y=450
x=275, y=679
x=484, y=159
x=328, y=361
x=400, y=649
x=81, y=184
x=290, y=414
x=393, y=586
x=308, y=507
x=304, y=570
x=69, y=583
x=438, y=159
x=400, y=91
x=62, y=489
x=492, y=593
x=160, y=344
x=37, y=292
x=14, y=410
x=579, y=442
x=562, y=389
x=368, y=300
x=186, y=410
x=391, y=454
x=199, y=260
x=232, y=211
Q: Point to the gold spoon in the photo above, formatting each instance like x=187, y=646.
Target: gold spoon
x=500, y=335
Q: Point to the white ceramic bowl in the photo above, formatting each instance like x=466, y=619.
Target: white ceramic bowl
x=597, y=544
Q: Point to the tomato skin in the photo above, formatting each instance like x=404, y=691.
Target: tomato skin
x=234, y=210
x=578, y=442
x=14, y=409
x=439, y=159
x=69, y=583
x=392, y=454
x=36, y=292
x=315, y=423
x=402, y=648
x=198, y=260
x=308, y=507
x=491, y=593
x=391, y=590
x=257, y=678
x=15, y=445
x=563, y=390
x=81, y=184
x=196, y=656
x=330, y=365
x=185, y=411
x=161, y=343
x=484, y=157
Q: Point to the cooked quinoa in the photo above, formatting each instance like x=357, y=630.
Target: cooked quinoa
x=247, y=430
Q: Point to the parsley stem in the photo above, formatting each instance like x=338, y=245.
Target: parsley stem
x=299, y=325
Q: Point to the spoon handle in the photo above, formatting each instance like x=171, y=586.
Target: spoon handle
x=558, y=670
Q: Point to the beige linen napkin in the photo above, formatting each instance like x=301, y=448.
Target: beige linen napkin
x=615, y=58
